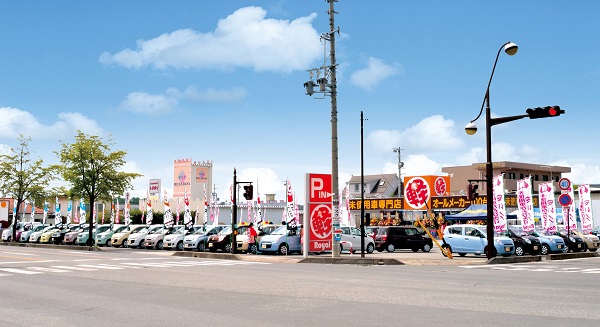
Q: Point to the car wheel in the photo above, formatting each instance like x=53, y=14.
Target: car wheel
x=283, y=249
x=125, y=244
x=370, y=248
x=519, y=251
x=584, y=248
x=545, y=249
x=201, y=247
x=180, y=246
x=228, y=248
x=390, y=248
x=253, y=248
x=447, y=248
x=159, y=245
x=593, y=250
x=426, y=248
x=485, y=251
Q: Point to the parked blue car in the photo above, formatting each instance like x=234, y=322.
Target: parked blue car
x=281, y=240
x=550, y=243
x=466, y=238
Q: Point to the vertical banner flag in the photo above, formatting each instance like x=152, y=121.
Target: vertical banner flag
x=205, y=206
x=525, y=203
x=127, y=209
x=547, y=206
x=349, y=217
x=82, y=215
x=249, y=206
x=187, y=215
x=103, y=216
x=197, y=215
x=149, y=206
x=499, y=204
x=112, y=212
x=213, y=208
x=585, y=208
x=76, y=209
x=45, y=212
x=23, y=212
x=571, y=220
x=69, y=211
x=117, y=212
x=14, y=212
x=290, y=219
x=178, y=210
x=57, y=214
x=258, y=219
x=168, y=220
x=32, y=212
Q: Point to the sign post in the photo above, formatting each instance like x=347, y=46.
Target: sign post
x=318, y=220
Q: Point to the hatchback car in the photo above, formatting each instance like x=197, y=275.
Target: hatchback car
x=120, y=236
x=467, y=238
x=174, y=241
x=197, y=240
x=573, y=243
x=524, y=243
x=26, y=234
x=71, y=237
x=242, y=239
x=391, y=238
x=59, y=235
x=591, y=242
x=550, y=243
x=352, y=235
x=35, y=237
x=82, y=238
x=154, y=240
x=138, y=238
x=222, y=241
x=282, y=240
x=103, y=238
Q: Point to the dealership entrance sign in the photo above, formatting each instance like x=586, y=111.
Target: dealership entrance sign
x=318, y=221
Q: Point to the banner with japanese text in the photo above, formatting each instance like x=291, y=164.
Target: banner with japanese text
x=585, y=208
x=525, y=204
x=499, y=204
x=547, y=206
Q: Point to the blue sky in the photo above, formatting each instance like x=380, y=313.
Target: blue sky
x=223, y=81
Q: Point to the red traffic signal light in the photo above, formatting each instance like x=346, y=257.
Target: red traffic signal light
x=545, y=112
x=248, y=190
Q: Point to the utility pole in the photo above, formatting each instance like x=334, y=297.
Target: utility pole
x=400, y=165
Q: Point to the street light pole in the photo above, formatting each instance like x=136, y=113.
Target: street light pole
x=362, y=190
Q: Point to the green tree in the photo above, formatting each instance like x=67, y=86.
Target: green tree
x=92, y=169
x=22, y=178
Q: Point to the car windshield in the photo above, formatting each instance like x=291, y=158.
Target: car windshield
x=121, y=229
x=225, y=231
x=518, y=231
x=157, y=230
x=48, y=228
x=280, y=231
x=139, y=229
x=269, y=230
x=178, y=230
x=103, y=229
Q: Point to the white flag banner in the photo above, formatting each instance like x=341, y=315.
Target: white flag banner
x=258, y=217
x=525, y=203
x=289, y=208
x=499, y=204
x=149, y=208
x=168, y=215
x=187, y=214
x=547, y=206
x=569, y=211
x=45, y=212
x=57, y=214
x=206, y=206
x=69, y=211
x=32, y=212
x=585, y=208
x=127, y=209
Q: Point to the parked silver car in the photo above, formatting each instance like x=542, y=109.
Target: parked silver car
x=198, y=240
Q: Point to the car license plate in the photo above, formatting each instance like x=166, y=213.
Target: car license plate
x=578, y=245
x=507, y=248
x=187, y=245
x=264, y=246
x=210, y=245
x=535, y=247
x=559, y=246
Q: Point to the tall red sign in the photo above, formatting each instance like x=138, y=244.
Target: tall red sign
x=320, y=214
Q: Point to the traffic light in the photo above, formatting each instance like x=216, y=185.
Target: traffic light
x=472, y=191
x=544, y=112
x=248, y=192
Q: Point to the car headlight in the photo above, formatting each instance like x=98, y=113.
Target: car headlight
x=528, y=241
x=497, y=241
x=221, y=238
x=551, y=240
x=572, y=239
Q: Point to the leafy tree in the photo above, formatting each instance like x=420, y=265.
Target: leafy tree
x=92, y=169
x=23, y=178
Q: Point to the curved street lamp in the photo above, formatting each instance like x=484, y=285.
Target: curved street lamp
x=510, y=49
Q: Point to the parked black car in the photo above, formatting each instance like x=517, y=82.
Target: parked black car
x=573, y=243
x=59, y=235
x=524, y=243
x=391, y=238
x=222, y=240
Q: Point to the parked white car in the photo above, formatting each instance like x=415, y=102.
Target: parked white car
x=154, y=240
x=26, y=234
x=351, y=236
x=174, y=241
x=35, y=237
x=138, y=238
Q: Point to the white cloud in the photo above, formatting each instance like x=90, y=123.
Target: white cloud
x=581, y=173
x=243, y=39
x=5, y=149
x=212, y=95
x=414, y=165
x=15, y=122
x=375, y=73
x=431, y=134
x=152, y=104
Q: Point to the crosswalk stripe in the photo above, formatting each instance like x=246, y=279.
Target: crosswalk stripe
x=1, y=275
x=47, y=269
x=102, y=266
x=148, y=264
x=19, y=271
x=74, y=268
x=591, y=271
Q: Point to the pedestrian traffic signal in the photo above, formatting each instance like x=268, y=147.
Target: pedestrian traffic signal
x=544, y=112
x=472, y=191
x=248, y=192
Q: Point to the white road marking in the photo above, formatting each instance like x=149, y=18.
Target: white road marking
x=19, y=253
x=19, y=271
x=47, y=269
x=39, y=261
x=102, y=266
x=74, y=268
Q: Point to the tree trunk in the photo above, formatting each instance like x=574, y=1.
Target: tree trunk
x=91, y=240
x=15, y=218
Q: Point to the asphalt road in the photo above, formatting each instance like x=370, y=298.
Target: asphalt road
x=59, y=287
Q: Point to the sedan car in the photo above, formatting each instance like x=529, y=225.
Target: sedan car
x=524, y=243
x=467, y=238
x=550, y=243
x=591, y=242
x=282, y=241
x=137, y=239
x=197, y=240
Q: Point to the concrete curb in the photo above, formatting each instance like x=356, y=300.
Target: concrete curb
x=505, y=260
x=353, y=261
x=54, y=246
x=576, y=255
